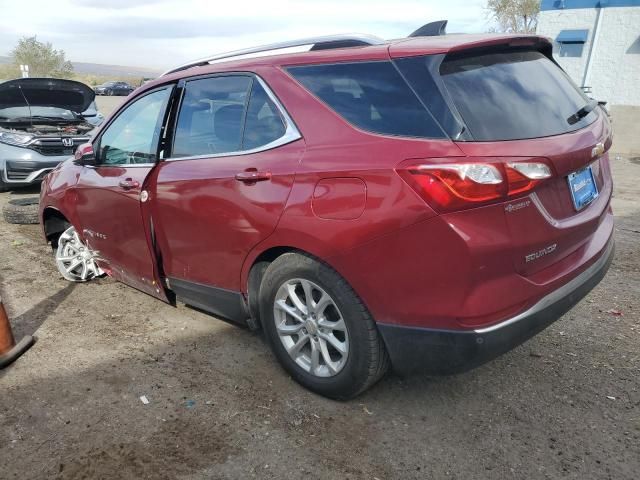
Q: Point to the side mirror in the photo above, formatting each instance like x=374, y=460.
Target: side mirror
x=85, y=155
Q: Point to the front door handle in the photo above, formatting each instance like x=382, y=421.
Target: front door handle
x=128, y=183
x=252, y=175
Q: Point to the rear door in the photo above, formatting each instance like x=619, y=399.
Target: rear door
x=110, y=195
x=224, y=187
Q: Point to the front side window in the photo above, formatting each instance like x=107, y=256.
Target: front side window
x=372, y=96
x=132, y=138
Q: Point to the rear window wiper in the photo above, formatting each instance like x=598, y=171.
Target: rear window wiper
x=583, y=112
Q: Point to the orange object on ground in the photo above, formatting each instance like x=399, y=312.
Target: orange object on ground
x=9, y=350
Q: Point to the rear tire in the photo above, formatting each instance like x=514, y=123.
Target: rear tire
x=351, y=357
x=22, y=211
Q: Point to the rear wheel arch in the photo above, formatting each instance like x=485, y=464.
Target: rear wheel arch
x=256, y=274
x=258, y=268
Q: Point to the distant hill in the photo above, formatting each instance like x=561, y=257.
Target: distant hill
x=106, y=70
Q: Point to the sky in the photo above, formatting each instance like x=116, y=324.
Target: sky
x=161, y=33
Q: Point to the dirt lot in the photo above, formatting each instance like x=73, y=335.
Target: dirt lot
x=564, y=405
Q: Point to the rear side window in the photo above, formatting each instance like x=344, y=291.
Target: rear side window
x=372, y=96
x=211, y=116
x=226, y=114
x=513, y=95
x=264, y=123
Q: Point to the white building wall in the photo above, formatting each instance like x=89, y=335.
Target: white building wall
x=615, y=62
x=552, y=22
x=615, y=69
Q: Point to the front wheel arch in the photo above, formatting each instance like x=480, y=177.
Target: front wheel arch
x=54, y=224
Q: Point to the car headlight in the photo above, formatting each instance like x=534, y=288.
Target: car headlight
x=18, y=139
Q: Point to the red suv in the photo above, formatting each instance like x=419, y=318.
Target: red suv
x=425, y=203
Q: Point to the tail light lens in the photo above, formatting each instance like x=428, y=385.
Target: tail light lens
x=524, y=176
x=457, y=186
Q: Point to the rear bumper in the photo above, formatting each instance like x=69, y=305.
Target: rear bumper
x=437, y=351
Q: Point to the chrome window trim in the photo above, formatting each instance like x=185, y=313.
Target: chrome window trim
x=291, y=133
x=121, y=165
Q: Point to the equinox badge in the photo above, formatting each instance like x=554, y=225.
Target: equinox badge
x=540, y=253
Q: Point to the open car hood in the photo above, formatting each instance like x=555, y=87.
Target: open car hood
x=46, y=92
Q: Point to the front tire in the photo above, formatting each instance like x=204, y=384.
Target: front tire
x=318, y=328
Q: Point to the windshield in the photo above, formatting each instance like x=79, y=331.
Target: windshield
x=11, y=113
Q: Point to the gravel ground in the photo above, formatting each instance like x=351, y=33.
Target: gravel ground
x=564, y=405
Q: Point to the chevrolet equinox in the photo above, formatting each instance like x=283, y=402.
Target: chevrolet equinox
x=426, y=203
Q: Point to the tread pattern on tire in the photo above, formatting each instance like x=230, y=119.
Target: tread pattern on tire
x=23, y=211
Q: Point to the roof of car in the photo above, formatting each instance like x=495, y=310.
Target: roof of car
x=403, y=47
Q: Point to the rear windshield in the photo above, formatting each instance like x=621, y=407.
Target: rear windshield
x=513, y=95
x=370, y=95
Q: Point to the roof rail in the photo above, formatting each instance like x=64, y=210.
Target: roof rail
x=316, y=43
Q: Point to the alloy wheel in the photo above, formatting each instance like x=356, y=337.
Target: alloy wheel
x=75, y=260
x=311, y=327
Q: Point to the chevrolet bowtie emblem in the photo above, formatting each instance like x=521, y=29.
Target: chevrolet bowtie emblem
x=597, y=150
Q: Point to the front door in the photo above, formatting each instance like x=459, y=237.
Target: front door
x=112, y=195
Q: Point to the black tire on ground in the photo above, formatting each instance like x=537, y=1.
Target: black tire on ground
x=3, y=186
x=21, y=211
x=367, y=360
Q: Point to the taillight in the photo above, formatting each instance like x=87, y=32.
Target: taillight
x=457, y=186
x=524, y=176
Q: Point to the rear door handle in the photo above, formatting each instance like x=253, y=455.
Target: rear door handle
x=128, y=183
x=252, y=176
